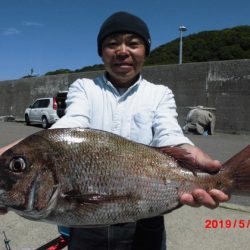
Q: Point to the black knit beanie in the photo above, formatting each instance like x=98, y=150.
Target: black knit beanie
x=124, y=22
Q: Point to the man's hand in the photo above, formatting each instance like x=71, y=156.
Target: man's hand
x=3, y=149
x=200, y=197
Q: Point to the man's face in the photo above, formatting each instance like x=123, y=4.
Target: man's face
x=123, y=56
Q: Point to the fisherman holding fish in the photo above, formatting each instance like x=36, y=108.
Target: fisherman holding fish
x=122, y=102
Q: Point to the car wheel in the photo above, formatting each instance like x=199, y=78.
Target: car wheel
x=27, y=120
x=45, y=123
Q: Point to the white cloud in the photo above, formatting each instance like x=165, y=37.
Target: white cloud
x=14, y=31
x=28, y=23
x=11, y=31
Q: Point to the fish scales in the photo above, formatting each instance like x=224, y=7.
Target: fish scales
x=117, y=180
x=85, y=177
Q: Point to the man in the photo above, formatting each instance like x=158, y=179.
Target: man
x=121, y=101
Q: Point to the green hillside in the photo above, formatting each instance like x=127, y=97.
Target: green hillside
x=227, y=44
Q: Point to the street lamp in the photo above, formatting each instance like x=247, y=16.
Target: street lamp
x=181, y=29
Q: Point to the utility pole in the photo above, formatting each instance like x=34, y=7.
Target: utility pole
x=181, y=29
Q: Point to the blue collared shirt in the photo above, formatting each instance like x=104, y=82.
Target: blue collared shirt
x=144, y=113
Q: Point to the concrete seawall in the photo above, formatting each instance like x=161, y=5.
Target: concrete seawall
x=224, y=85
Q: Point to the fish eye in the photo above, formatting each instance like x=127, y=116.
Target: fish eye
x=17, y=165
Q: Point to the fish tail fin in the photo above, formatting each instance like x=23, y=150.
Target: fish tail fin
x=237, y=169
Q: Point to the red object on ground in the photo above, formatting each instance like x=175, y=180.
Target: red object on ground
x=56, y=244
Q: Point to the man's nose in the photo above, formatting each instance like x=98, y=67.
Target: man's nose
x=122, y=49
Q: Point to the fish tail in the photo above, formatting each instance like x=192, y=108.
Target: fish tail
x=237, y=169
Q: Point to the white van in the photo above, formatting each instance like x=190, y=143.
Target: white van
x=42, y=111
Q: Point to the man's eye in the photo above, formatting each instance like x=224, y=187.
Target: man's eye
x=132, y=44
x=112, y=44
x=135, y=43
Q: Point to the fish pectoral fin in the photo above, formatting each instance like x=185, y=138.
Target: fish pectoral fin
x=95, y=198
x=184, y=159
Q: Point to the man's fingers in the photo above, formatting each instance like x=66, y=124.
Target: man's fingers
x=188, y=199
x=219, y=196
x=203, y=198
x=200, y=197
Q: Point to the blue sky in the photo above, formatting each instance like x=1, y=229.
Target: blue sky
x=47, y=35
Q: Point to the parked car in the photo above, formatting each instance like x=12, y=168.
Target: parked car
x=42, y=111
x=61, y=105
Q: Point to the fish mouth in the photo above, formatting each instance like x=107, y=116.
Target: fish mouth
x=29, y=202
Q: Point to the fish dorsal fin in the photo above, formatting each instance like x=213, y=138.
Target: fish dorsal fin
x=184, y=159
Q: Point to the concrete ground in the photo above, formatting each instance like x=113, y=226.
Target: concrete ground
x=227, y=227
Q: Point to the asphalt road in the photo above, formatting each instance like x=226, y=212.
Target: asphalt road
x=187, y=228
x=23, y=234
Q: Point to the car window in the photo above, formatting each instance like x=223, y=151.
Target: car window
x=35, y=105
x=43, y=103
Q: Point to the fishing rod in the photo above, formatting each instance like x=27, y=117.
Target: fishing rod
x=6, y=242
